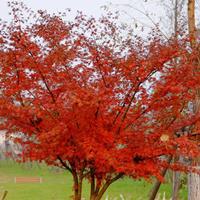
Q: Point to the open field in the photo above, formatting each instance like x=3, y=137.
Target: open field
x=57, y=184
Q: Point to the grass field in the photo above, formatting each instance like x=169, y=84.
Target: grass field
x=57, y=184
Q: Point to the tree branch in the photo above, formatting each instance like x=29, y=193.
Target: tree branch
x=64, y=164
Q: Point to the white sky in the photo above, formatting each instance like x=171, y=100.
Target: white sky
x=90, y=7
x=93, y=7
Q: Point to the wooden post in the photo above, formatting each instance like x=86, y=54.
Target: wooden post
x=4, y=195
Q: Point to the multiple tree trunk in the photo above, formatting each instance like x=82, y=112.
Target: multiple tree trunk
x=96, y=190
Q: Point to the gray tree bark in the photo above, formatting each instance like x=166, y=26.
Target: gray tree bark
x=176, y=185
x=193, y=186
x=193, y=179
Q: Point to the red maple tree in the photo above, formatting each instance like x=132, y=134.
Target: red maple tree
x=81, y=96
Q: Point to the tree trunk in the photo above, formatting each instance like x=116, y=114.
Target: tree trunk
x=77, y=187
x=92, y=185
x=193, y=186
x=97, y=190
x=176, y=181
x=102, y=191
x=80, y=189
x=176, y=185
x=157, y=184
x=191, y=22
x=193, y=179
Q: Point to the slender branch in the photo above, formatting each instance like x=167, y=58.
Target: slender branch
x=64, y=164
x=124, y=103
x=43, y=79
x=49, y=113
x=98, y=66
x=42, y=76
x=135, y=92
x=107, y=184
x=120, y=175
x=47, y=86
x=97, y=111
x=132, y=98
x=176, y=19
x=146, y=15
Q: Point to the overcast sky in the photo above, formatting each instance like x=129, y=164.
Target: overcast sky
x=90, y=7
x=93, y=7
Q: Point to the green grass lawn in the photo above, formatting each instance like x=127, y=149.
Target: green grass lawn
x=57, y=184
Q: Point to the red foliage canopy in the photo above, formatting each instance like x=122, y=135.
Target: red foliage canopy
x=82, y=96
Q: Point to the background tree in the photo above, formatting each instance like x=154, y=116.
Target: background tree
x=193, y=179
